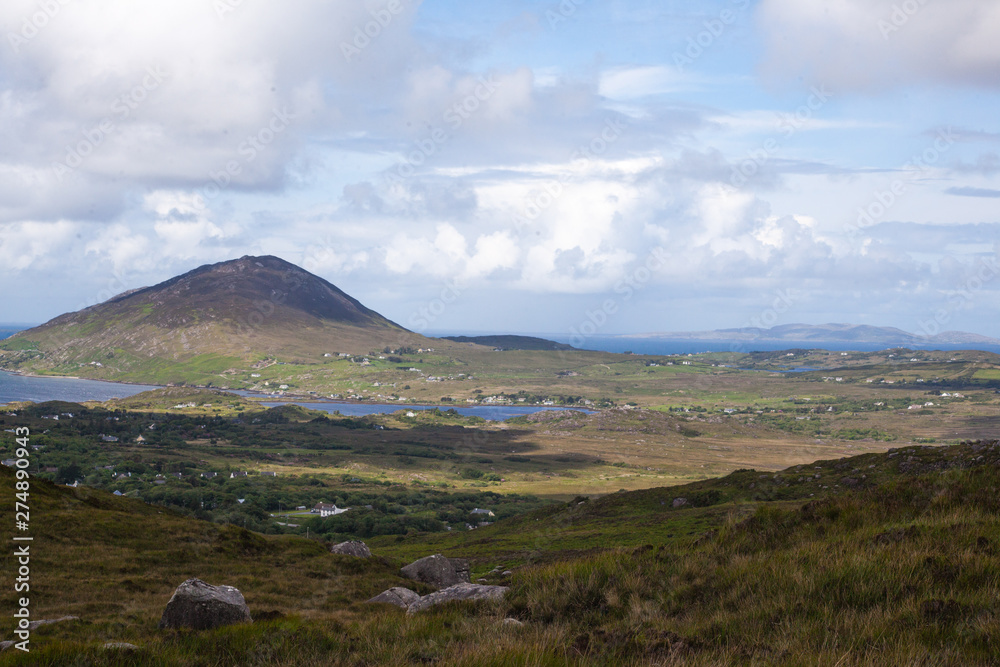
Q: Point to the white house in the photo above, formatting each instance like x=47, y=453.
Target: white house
x=328, y=509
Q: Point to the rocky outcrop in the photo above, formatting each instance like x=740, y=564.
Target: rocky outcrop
x=352, y=548
x=62, y=619
x=201, y=606
x=399, y=596
x=457, y=592
x=438, y=571
x=120, y=646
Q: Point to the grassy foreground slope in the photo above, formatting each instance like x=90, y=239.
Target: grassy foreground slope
x=895, y=564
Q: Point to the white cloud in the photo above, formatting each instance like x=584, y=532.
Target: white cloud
x=628, y=83
x=125, y=249
x=875, y=45
x=23, y=244
x=170, y=94
x=448, y=255
x=493, y=251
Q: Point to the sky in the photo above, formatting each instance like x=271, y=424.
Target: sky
x=511, y=166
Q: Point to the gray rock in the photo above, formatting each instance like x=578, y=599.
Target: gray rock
x=438, y=571
x=5, y=645
x=399, y=596
x=37, y=624
x=201, y=606
x=506, y=573
x=352, y=548
x=120, y=646
x=512, y=622
x=457, y=592
x=680, y=502
x=461, y=568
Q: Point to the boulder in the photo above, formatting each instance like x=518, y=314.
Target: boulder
x=352, y=548
x=399, y=596
x=120, y=646
x=438, y=571
x=457, y=592
x=201, y=606
x=5, y=645
x=680, y=502
x=461, y=568
x=513, y=622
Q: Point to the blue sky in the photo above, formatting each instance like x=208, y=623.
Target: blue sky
x=514, y=166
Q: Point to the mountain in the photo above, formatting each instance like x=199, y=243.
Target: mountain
x=507, y=342
x=827, y=333
x=216, y=316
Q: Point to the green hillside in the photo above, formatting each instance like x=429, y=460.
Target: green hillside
x=507, y=342
x=895, y=563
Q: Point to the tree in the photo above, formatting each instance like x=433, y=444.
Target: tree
x=68, y=473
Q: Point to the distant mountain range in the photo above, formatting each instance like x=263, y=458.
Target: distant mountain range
x=828, y=333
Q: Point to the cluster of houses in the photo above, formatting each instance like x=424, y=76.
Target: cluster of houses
x=68, y=415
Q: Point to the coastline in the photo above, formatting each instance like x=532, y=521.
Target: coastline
x=74, y=377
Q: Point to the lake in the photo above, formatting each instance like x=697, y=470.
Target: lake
x=40, y=389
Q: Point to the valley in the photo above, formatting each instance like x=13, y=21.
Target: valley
x=788, y=507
